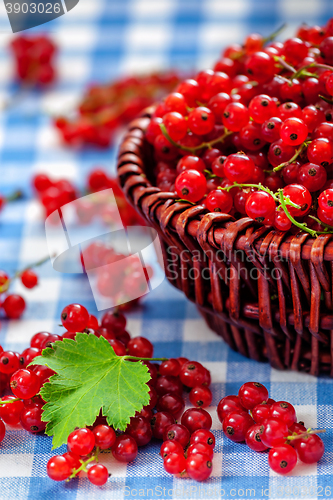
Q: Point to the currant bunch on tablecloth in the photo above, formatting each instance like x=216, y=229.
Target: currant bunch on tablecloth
x=54, y=194
x=13, y=305
x=187, y=446
x=34, y=59
x=265, y=424
x=105, y=108
x=254, y=135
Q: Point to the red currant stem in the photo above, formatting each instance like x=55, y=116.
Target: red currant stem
x=329, y=228
x=304, y=434
x=293, y=158
x=260, y=187
x=182, y=200
x=302, y=226
x=275, y=33
x=14, y=196
x=195, y=148
x=209, y=174
x=299, y=72
x=5, y=286
x=135, y=358
x=326, y=99
x=83, y=466
x=284, y=64
x=9, y=401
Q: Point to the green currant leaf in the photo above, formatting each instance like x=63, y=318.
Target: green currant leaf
x=90, y=377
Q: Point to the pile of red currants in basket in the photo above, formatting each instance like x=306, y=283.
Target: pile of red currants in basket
x=254, y=135
x=264, y=424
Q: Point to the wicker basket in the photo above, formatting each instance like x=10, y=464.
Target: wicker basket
x=268, y=294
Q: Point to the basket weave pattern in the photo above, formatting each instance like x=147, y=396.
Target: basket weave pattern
x=267, y=293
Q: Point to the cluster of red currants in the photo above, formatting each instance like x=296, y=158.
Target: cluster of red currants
x=54, y=194
x=254, y=135
x=263, y=423
x=13, y=304
x=119, y=282
x=34, y=59
x=104, y=108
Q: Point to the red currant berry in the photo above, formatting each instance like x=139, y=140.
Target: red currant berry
x=177, y=432
x=176, y=125
x=174, y=463
x=29, y=278
x=168, y=384
x=10, y=413
x=175, y=102
x=28, y=355
x=198, y=467
x=282, y=459
x=41, y=182
x=235, y=426
x=14, y=306
x=98, y=474
x=235, y=116
x=105, y=436
x=196, y=418
x=311, y=176
x=140, y=430
x=190, y=90
x=201, y=397
x=270, y=129
x=261, y=412
x=160, y=421
x=310, y=448
x=31, y=418
x=2, y=431
x=260, y=66
x=289, y=110
x=238, y=168
x=299, y=195
x=191, y=185
x=229, y=404
x=283, y=411
x=25, y=384
x=92, y=322
x=274, y=432
x=170, y=367
x=203, y=436
x=75, y=317
x=171, y=403
x=293, y=131
x=251, y=394
x=9, y=362
x=169, y=447
x=253, y=440
x=81, y=442
x=191, y=374
x=125, y=448
x=202, y=448
x=140, y=347
x=217, y=104
x=260, y=206
x=38, y=338
x=58, y=468
x=98, y=180
x=325, y=200
x=190, y=162
x=262, y=107
x=320, y=151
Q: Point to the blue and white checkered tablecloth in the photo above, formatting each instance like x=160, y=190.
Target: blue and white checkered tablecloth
x=100, y=40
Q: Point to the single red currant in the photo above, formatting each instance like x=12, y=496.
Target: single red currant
x=98, y=474
x=75, y=317
x=251, y=394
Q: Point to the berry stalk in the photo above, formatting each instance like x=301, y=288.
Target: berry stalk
x=195, y=148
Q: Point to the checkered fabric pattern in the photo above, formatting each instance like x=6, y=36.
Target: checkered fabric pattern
x=100, y=40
